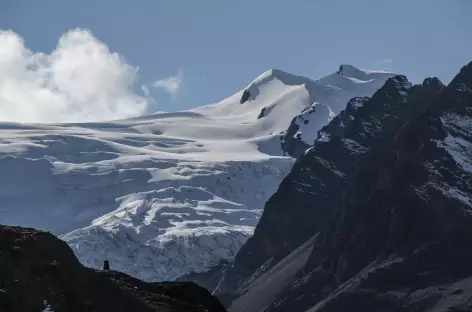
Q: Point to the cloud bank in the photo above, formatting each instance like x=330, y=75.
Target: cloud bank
x=81, y=80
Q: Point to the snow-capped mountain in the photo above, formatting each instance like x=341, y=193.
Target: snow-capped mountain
x=169, y=193
x=348, y=82
x=376, y=216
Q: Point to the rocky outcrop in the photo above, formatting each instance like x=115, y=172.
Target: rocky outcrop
x=39, y=272
x=291, y=140
x=246, y=95
x=382, y=205
x=262, y=114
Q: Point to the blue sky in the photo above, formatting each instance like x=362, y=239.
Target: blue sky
x=215, y=47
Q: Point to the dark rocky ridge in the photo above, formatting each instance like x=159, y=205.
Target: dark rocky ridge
x=297, y=139
x=388, y=189
x=208, y=279
x=402, y=235
x=318, y=178
x=37, y=270
x=291, y=141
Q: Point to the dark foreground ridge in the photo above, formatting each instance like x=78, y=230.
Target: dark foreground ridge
x=39, y=272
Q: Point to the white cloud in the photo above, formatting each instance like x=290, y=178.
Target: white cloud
x=170, y=84
x=81, y=80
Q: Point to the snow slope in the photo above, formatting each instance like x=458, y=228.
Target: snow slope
x=164, y=194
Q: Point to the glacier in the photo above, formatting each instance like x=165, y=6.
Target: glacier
x=168, y=193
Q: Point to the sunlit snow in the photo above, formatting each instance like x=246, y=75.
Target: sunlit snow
x=168, y=193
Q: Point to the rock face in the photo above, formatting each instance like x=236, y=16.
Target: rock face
x=377, y=216
x=39, y=272
x=262, y=113
x=245, y=96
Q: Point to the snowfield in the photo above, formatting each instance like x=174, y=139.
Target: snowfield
x=169, y=193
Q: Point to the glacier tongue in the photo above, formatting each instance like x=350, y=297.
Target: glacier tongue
x=161, y=234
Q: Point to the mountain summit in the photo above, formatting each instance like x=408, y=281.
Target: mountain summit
x=376, y=216
x=169, y=193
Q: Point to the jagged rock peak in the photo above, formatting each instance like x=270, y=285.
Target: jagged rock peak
x=399, y=82
x=432, y=81
x=463, y=77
